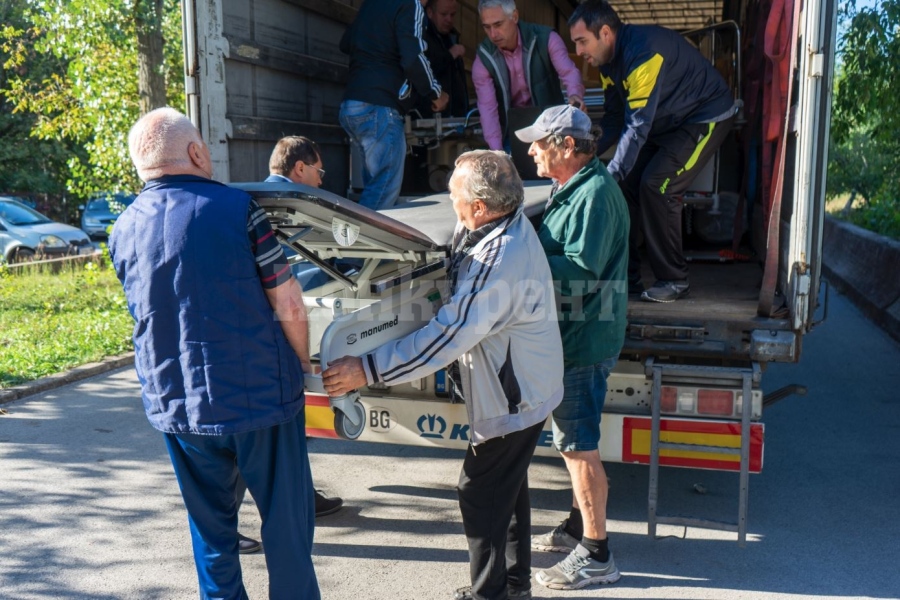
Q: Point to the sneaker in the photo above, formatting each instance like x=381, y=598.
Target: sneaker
x=247, y=545
x=326, y=505
x=465, y=593
x=578, y=570
x=667, y=291
x=557, y=540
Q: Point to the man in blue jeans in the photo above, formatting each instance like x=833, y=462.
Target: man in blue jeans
x=389, y=75
x=584, y=234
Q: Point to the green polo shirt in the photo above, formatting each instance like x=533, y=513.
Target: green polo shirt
x=585, y=237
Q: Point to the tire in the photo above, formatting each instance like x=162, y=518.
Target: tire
x=345, y=428
x=21, y=255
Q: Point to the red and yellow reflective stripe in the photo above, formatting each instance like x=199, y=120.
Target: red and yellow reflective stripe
x=319, y=416
x=718, y=434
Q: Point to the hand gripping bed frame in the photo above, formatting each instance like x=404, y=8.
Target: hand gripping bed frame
x=385, y=270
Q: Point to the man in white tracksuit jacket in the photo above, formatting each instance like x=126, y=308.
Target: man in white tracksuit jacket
x=498, y=332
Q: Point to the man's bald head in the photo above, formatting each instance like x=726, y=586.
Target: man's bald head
x=165, y=142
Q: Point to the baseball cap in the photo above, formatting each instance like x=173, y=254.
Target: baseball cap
x=560, y=120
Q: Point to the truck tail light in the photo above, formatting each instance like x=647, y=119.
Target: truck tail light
x=696, y=401
x=719, y=403
x=668, y=401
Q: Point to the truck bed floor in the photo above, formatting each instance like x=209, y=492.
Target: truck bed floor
x=719, y=291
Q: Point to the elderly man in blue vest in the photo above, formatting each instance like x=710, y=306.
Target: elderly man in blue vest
x=221, y=345
x=519, y=64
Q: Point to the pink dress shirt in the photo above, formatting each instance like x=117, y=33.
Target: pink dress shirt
x=520, y=95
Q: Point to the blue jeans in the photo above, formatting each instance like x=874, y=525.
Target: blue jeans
x=378, y=131
x=576, y=421
x=274, y=463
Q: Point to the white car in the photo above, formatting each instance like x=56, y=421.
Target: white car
x=26, y=234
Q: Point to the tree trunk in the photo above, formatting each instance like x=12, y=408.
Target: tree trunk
x=846, y=210
x=148, y=15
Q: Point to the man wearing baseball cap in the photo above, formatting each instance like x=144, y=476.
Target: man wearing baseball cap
x=585, y=237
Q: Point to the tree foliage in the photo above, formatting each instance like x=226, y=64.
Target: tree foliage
x=868, y=82
x=27, y=165
x=93, y=97
x=865, y=129
x=860, y=166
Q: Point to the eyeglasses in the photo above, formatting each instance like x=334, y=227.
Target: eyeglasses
x=321, y=171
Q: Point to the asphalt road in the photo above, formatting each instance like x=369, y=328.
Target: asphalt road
x=89, y=508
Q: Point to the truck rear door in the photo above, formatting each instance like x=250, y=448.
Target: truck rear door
x=257, y=71
x=808, y=126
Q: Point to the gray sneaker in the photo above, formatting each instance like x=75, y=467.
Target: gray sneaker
x=557, y=540
x=578, y=570
x=667, y=291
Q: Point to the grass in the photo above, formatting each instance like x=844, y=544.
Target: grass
x=834, y=206
x=880, y=216
x=50, y=322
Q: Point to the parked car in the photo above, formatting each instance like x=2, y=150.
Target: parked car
x=26, y=234
x=101, y=211
x=29, y=202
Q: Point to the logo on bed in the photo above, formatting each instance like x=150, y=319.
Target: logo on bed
x=432, y=426
x=345, y=234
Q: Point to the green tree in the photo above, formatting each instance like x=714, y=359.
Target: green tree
x=860, y=166
x=865, y=144
x=869, y=76
x=121, y=58
x=27, y=164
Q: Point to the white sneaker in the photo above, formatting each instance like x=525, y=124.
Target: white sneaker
x=557, y=540
x=579, y=570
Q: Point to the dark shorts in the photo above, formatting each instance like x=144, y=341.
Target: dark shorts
x=576, y=421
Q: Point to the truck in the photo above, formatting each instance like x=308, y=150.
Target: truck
x=686, y=391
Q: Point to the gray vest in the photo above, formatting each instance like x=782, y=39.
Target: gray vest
x=540, y=74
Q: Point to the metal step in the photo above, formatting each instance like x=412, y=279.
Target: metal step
x=746, y=377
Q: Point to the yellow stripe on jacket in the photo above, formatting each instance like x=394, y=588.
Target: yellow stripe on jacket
x=641, y=82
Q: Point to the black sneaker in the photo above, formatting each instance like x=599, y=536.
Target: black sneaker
x=326, y=505
x=667, y=291
x=247, y=545
x=465, y=593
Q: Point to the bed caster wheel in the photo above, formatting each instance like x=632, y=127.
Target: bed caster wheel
x=349, y=416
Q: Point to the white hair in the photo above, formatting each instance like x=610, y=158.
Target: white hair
x=508, y=6
x=160, y=140
x=492, y=178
